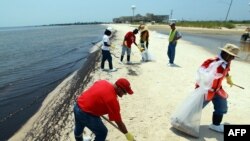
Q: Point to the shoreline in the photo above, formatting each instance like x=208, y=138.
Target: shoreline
x=56, y=110
x=158, y=90
x=26, y=82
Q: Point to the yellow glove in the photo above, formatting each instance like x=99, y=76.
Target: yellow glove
x=112, y=46
x=229, y=80
x=129, y=136
x=142, y=49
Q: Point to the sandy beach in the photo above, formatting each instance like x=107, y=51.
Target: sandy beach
x=238, y=30
x=158, y=90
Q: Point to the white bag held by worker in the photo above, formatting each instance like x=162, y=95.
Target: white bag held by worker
x=188, y=115
x=147, y=56
x=205, y=76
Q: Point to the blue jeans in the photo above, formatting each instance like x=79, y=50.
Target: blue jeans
x=126, y=49
x=106, y=56
x=171, y=52
x=94, y=123
x=220, y=105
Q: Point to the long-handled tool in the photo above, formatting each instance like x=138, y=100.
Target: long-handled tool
x=88, y=138
x=239, y=86
x=112, y=124
x=99, y=46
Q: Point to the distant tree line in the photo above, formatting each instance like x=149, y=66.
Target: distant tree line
x=76, y=23
x=212, y=24
x=149, y=17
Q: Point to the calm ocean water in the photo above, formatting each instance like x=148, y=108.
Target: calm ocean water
x=34, y=60
x=212, y=42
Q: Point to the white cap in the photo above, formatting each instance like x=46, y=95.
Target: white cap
x=109, y=28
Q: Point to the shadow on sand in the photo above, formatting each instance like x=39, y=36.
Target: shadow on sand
x=174, y=66
x=205, y=133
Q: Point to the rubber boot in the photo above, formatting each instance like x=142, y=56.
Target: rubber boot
x=121, y=58
x=128, y=58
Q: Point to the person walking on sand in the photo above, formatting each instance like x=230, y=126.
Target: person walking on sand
x=174, y=35
x=106, y=55
x=98, y=100
x=216, y=93
x=129, y=39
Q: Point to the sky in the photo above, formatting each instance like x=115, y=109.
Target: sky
x=43, y=12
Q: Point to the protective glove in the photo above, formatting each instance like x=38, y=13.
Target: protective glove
x=112, y=46
x=142, y=49
x=229, y=80
x=129, y=136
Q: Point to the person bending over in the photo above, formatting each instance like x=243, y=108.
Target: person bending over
x=101, y=99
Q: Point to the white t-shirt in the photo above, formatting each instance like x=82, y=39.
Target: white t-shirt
x=105, y=38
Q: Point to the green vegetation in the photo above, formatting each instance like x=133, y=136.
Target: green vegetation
x=77, y=23
x=212, y=24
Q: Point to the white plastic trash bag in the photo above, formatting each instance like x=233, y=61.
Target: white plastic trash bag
x=147, y=56
x=144, y=55
x=205, y=76
x=188, y=115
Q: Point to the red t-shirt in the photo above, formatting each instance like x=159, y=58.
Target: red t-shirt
x=100, y=99
x=217, y=83
x=220, y=69
x=130, y=38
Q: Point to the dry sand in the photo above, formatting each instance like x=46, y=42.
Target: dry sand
x=159, y=89
x=237, y=31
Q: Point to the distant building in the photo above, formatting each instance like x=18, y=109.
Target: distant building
x=139, y=18
x=172, y=20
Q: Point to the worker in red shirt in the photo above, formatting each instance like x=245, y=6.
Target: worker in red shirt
x=100, y=99
x=129, y=39
x=216, y=93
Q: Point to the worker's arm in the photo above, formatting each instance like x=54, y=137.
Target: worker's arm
x=106, y=44
x=124, y=130
x=121, y=126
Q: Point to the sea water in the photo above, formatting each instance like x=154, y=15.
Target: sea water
x=33, y=61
